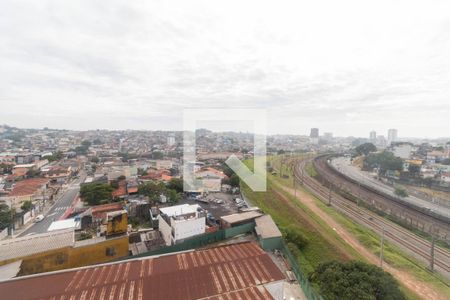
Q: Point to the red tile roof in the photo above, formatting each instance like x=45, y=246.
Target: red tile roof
x=28, y=186
x=132, y=189
x=223, y=272
x=121, y=190
x=99, y=211
x=155, y=174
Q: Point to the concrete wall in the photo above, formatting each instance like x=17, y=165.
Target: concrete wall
x=117, y=224
x=166, y=230
x=188, y=228
x=71, y=257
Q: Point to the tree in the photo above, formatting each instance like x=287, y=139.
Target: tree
x=5, y=216
x=414, y=170
x=95, y=160
x=355, y=280
x=227, y=171
x=365, y=149
x=176, y=184
x=428, y=182
x=27, y=205
x=5, y=168
x=56, y=156
x=32, y=173
x=86, y=144
x=97, y=142
x=114, y=184
x=234, y=180
x=401, y=192
x=172, y=195
x=83, y=148
x=151, y=189
x=157, y=155
x=96, y=193
x=384, y=160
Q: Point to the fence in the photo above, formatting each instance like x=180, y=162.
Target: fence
x=301, y=278
x=201, y=240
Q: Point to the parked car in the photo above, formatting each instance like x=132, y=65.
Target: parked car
x=39, y=218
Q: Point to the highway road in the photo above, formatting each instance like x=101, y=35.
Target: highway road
x=404, y=239
x=58, y=209
x=344, y=166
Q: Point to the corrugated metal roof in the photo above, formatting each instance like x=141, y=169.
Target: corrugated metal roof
x=28, y=245
x=224, y=272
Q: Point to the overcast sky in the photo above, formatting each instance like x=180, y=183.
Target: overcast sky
x=347, y=67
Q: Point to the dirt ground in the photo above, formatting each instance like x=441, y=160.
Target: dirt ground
x=423, y=290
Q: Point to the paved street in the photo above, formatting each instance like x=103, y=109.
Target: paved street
x=57, y=210
x=344, y=166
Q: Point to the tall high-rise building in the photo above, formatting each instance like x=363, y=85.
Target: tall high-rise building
x=171, y=139
x=314, y=133
x=392, y=136
x=314, y=136
x=373, y=136
x=328, y=136
x=381, y=141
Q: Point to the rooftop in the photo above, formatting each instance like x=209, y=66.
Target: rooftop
x=28, y=245
x=240, y=217
x=236, y=271
x=28, y=186
x=63, y=224
x=266, y=227
x=178, y=210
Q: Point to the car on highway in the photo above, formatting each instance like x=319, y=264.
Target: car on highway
x=39, y=218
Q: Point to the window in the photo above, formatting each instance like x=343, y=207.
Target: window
x=110, y=251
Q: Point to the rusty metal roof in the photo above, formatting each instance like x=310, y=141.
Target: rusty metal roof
x=226, y=272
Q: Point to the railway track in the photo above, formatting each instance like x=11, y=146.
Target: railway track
x=417, y=218
x=417, y=246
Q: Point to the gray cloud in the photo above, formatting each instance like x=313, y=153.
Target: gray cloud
x=88, y=64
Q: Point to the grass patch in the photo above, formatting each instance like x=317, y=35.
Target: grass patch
x=310, y=169
x=323, y=245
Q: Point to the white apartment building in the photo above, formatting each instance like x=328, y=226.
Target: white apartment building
x=403, y=151
x=179, y=222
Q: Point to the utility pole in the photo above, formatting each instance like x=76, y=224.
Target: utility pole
x=281, y=167
x=382, y=245
x=432, y=249
x=295, y=188
x=301, y=175
x=329, y=195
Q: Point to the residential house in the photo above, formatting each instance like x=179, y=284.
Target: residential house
x=26, y=190
x=179, y=222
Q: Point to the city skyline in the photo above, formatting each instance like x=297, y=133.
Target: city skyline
x=322, y=134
